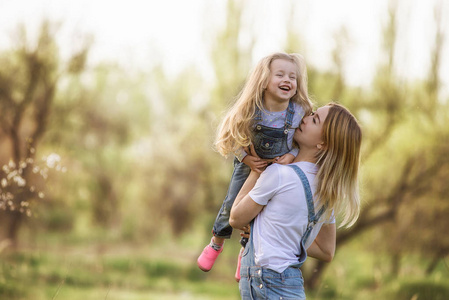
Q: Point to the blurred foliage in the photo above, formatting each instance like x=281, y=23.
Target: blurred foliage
x=29, y=77
x=138, y=152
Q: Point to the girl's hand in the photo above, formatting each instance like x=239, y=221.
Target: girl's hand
x=285, y=159
x=255, y=163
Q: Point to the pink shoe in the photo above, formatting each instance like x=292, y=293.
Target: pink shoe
x=237, y=271
x=207, y=258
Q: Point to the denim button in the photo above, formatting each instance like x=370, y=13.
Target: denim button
x=286, y=131
x=258, y=272
x=260, y=286
x=267, y=144
x=258, y=127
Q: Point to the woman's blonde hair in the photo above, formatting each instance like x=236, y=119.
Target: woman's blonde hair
x=338, y=161
x=235, y=129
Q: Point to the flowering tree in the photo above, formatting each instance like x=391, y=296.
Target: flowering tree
x=28, y=83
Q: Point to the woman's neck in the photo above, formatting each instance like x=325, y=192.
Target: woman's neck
x=308, y=156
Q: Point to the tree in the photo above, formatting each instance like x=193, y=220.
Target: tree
x=28, y=84
x=192, y=175
x=403, y=161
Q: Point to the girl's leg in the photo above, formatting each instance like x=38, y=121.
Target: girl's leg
x=218, y=240
x=221, y=227
x=222, y=230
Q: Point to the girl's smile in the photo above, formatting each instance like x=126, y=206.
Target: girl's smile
x=282, y=84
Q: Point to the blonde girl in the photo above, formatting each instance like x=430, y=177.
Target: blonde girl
x=265, y=115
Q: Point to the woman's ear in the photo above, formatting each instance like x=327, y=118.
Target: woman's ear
x=320, y=145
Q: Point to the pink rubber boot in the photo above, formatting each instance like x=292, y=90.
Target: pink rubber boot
x=237, y=271
x=207, y=258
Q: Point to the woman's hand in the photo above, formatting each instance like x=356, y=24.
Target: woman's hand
x=246, y=231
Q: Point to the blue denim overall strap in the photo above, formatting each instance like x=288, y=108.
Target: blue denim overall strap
x=271, y=142
x=288, y=118
x=312, y=217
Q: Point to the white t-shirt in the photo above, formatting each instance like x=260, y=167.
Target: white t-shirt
x=278, y=228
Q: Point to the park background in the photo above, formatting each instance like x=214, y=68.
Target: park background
x=109, y=182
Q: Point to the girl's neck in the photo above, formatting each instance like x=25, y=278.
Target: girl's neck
x=274, y=106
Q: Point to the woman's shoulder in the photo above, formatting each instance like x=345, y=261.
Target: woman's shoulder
x=306, y=166
x=279, y=169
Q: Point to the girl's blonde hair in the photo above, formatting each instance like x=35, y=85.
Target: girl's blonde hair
x=338, y=161
x=235, y=129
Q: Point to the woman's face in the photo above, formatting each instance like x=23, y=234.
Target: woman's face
x=309, y=132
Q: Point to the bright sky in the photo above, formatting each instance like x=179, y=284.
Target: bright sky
x=180, y=32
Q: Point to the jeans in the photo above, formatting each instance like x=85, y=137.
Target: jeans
x=261, y=283
x=221, y=227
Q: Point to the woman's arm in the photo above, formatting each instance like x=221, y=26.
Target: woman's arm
x=244, y=208
x=323, y=247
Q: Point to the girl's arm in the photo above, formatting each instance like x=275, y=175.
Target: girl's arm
x=244, y=208
x=323, y=247
x=255, y=163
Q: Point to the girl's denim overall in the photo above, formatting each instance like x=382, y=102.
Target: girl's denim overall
x=262, y=283
x=269, y=143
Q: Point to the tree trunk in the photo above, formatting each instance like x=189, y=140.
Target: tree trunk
x=433, y=264
x=12, y=234
x=436, y=259
x=395, y=264
x=315, y=276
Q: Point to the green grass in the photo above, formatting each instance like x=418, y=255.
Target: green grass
x=50, y=276
x=357, y=273
x=104, y=269
x=111, y=270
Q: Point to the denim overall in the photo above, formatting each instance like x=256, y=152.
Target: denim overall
x=269, y=143
x=262, y=283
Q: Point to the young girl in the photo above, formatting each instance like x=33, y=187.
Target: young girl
x=267, y=111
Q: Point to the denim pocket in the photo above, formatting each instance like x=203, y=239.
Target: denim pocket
x=267, y=146
x=288, y=285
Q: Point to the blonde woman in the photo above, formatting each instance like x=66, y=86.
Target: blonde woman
x=293, y=205
x=266, y=113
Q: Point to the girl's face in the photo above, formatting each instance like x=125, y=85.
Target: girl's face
x=309, y=132
x=282, y=82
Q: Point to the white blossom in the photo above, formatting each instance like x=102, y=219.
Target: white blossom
x=19, y=180
x=52, y=160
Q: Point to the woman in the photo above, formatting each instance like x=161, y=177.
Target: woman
x=287, y=220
